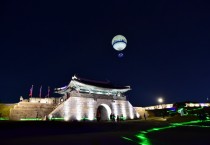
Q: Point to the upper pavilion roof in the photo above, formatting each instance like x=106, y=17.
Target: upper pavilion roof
x=92, y=86
x=101, y=84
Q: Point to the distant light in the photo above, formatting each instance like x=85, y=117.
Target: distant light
x=160, y=100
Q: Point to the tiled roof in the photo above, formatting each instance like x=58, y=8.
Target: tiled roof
x=102, y=84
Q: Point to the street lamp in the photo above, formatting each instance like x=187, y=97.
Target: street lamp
x=160, y=100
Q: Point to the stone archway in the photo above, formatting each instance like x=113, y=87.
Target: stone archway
x=104, y=111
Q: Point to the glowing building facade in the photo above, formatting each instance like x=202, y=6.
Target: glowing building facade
x=87, y=99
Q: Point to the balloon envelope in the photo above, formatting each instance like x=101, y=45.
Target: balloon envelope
x=119, y=42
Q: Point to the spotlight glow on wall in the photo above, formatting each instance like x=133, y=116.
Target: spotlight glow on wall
x=90, y=106
x=78, y=109
x=130, y=111
x=124, y=111
x=66, y=111
x=115, y=109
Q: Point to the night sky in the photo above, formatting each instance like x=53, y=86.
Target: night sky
x=47, y=42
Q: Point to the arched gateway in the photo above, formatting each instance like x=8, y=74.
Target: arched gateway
x=83, y=99
x=104, y=112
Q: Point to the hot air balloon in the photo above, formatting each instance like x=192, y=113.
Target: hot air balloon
x=119, y=43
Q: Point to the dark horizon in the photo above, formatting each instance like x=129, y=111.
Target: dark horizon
x=46, y=43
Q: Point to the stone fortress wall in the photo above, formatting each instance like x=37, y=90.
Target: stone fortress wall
x=33, y=108
x=84, y=105
x=75, y=105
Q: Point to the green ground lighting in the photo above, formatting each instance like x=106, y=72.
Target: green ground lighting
x=2, y=118
x=61, y=119
x=30, y=119
x=144, y=140
x=129, y=139
x=88, y=118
